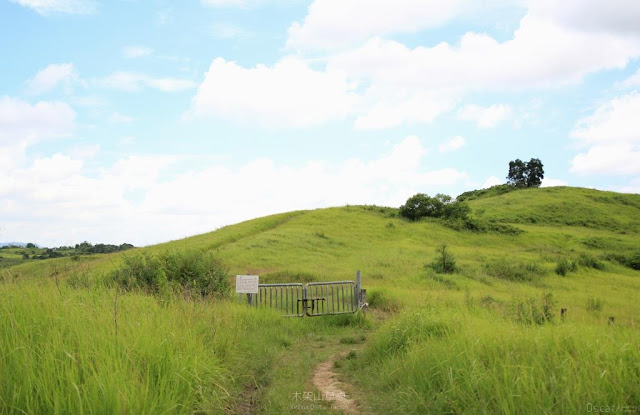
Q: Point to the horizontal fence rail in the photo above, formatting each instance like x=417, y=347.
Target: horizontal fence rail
x=327, y=298
x=311, y=299
x=287, y=298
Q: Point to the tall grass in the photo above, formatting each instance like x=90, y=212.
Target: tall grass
x=476, y=362
x=88, y=351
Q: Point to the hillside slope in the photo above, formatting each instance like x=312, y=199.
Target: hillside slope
x=504, y=283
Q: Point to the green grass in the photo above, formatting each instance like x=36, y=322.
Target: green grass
x=457, y=360
x=472, y=341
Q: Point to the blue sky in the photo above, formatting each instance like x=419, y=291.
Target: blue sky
x=146, y=121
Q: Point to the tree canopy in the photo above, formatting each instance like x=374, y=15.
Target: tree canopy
x=525, y=174
x=422, y=205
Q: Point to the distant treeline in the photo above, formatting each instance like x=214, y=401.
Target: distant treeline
x=32, y=251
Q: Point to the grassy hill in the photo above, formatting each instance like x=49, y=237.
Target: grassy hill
x=488, y=338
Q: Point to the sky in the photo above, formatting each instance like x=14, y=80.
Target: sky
x=148, y=121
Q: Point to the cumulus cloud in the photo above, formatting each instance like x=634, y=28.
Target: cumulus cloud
x=338, y=23
x=485, y=117
x=22, y=122
x=54, y=200
x=452, y=144
x=612, y=17
x=384, y=83
x=46, y=7
x=613, y=122
x=541, y=54
x=612, y=136
x=290, y=94
x=49, y=78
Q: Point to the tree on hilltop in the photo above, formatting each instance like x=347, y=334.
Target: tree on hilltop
x=525, y=174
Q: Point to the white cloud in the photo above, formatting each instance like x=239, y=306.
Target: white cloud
x=133, y=81
x=54, y=200
x=383, y=106
x=492, y=181
x=289, y=94
x=452, y=144
x=612, y=17
x=615, y=159
x=553, y=182
x=485, y=117
x=50, y=77
x=21, y=122
x=338, y=23
x=612, y=135
x=384, y=83
x=615, y=121
x=132, y=52
x=46, y=7
x=541, y=54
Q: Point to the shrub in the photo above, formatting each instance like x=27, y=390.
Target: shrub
x=196, y=271
x=633, y=261
x=192, y=271
x=441, y=206
x=564, y=266
x=445, y=262
x=140, y=272
x=513, y=271
x=629, y=260
x=588, y=261
x=481, y=226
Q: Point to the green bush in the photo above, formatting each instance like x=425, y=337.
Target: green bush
x=565, y=266
x=513, y=271
x=197, y=272
x=444, y=262
x=481, y=226
x=588, y=261
x=142, y=272
x=441, y=206
x=631, y=260
x=191, y=271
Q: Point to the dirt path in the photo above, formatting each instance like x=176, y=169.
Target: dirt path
x=324, y=378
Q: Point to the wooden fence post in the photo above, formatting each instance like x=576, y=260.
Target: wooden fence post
x=358, y=289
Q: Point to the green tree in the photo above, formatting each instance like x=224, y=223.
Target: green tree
x=444, y=262
x=525, y=174
x=535, y=173
x=422, y=205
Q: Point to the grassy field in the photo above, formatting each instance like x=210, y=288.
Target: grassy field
x=488, y=338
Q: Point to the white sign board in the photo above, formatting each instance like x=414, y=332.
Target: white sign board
x=247, y=284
